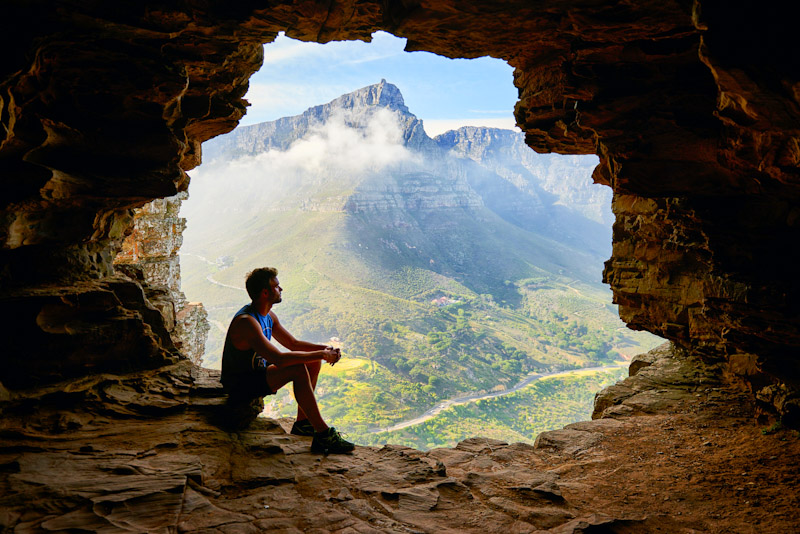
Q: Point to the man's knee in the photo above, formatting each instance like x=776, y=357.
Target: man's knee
x=299, y=371
x=277, y=377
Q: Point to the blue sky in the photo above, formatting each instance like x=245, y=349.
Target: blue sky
x=444, y=93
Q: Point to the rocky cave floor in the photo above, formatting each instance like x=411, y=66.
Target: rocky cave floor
x=145, y=453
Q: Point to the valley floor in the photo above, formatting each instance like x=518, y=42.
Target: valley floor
x=432, y=412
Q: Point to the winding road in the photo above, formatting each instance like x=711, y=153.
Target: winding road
x=479, y=396
x=209, y=277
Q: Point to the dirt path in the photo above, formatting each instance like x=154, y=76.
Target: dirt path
x=210, y=278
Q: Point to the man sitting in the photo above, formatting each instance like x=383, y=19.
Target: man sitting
x=253, y=367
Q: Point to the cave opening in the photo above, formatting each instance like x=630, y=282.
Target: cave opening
x=292, y=187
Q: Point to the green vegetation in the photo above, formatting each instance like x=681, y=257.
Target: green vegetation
x=497, y=316
x=546, y=404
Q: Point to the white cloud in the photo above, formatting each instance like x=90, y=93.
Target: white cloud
x=288, y=51
x=339, y=147
x=330, y=152
x=284, y=49
x=368, y=59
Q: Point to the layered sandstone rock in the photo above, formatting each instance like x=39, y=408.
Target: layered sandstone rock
x=150, y=255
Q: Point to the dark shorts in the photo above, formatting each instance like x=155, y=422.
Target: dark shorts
x=249, y=385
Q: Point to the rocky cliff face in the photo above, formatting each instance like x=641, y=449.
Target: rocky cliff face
x=549, y=194
x=150, y=256
x=692, y=108
x=414, y=192
x=505, y=153
x=415, y=178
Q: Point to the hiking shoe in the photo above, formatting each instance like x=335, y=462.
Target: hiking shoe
x=302, y=428
x=330, y=441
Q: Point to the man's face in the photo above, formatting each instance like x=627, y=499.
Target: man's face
x=275, y=291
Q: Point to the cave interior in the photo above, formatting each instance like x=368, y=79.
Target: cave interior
x=691, y=107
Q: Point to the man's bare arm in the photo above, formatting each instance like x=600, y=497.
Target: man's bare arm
x=288, y=340
x=246, y=334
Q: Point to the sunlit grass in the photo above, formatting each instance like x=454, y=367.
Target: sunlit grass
x=345, y=366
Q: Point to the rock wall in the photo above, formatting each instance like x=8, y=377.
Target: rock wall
x=150, y=255
x=692, y=108
x=713, y=274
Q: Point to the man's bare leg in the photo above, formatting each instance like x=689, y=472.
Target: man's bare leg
x=326, y=440
x=313, y=373
x=298, y=375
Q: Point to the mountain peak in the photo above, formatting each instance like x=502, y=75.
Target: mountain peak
x=281, y=133
x=382, y=94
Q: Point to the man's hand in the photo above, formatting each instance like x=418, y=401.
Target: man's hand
x=331, y=355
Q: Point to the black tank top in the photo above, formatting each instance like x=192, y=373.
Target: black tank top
x=237, y=362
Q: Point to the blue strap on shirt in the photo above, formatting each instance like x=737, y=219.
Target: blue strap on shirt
x=264, y=320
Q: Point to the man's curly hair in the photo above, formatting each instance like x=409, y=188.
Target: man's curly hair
x=258, y=280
